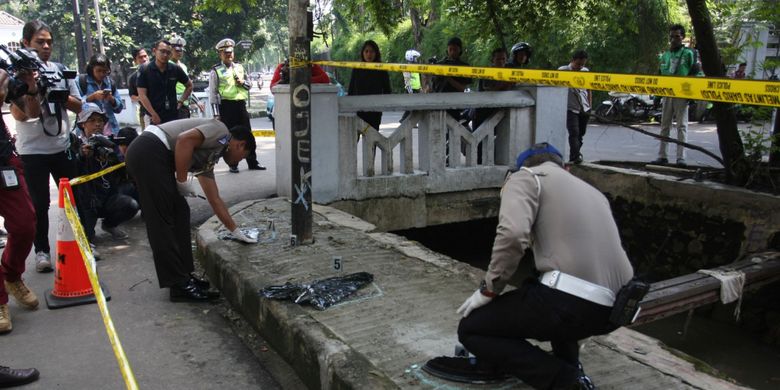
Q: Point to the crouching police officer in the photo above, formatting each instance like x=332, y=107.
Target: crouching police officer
x=100, y=197
x=158, y=160
x=577, y=249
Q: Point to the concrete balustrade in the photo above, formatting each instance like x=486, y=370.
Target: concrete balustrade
x=412, y=159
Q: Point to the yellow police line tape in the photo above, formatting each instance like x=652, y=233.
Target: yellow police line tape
x=264, y=133
x=757, y=92
x=93, y=176
x=89, y=264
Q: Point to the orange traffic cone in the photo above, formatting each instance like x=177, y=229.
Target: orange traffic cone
x=71, y=281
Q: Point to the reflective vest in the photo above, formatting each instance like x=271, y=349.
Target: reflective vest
x=229, y=89
x=179, y=86
x=415, y=81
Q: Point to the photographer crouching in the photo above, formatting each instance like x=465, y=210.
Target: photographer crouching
x=101, y=197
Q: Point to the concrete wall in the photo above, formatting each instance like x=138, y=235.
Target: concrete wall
x=672, y=227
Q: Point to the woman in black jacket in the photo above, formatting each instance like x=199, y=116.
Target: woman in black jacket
x=369, y=82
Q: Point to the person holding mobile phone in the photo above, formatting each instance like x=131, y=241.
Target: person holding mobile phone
x=97, y=87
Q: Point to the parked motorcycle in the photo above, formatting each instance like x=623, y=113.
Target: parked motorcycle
x=628, y=107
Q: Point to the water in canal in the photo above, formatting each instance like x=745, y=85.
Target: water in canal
x=736, y=354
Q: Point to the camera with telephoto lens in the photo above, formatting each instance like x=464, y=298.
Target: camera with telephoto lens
x=103, y=148
x=23, y=60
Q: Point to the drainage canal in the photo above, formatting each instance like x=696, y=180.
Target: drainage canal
x=748, y=351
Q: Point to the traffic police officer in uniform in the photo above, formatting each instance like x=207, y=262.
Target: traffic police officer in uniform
x=228, y=95
x=177, y=44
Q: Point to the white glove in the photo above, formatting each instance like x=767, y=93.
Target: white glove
x=240, y=236
x=185, y=188
x=475, y=300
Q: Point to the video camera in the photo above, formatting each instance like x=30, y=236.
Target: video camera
x=103, y=148
x=433, y=60
x=23, y=60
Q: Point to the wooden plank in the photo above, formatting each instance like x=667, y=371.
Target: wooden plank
x=690, y=291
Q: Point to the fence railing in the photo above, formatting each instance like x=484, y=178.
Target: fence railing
x=427, y=152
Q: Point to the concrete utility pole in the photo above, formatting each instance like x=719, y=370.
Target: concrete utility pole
x=82, y=59
x=99, y=24
x=301, y=29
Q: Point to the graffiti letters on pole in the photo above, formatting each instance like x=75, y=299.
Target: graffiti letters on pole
x=302, y=188
x=301, y=99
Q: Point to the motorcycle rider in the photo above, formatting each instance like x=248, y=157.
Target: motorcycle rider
x=412, y=79
x=520, y=55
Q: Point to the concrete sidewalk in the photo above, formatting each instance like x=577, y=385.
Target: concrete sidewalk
x=381, y=337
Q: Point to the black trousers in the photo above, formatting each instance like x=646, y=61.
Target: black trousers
x=577, y=125
x=37, y=169
x=233, y=113
x=115, y=210
x=496, y=333
x=166, y=212
x=372, y=118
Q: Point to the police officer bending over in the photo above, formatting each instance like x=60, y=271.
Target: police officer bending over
x=158, y=160
x=100, y=198
x=576, y=247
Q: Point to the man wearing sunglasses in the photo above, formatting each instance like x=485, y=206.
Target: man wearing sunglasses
x=157, y=86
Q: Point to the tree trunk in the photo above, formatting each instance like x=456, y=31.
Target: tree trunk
x=414, y=15
x=433, y=13
x=774, y=156
x=731, y=148
x=82, y=59
x=491, y=6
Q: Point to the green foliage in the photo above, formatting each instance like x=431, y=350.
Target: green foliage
x=140, y=23
x=759, y=143
x=620, y=36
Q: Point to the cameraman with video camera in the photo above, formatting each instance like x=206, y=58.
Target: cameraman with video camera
x=100, y=198
x=42, y=130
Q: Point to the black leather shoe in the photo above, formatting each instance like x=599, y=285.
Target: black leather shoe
x=203, y=284
x=257, y=167
x=660, y=161
x=190, y=292
x=10, y=377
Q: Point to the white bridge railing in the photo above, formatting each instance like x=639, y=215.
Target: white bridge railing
x=428, y=152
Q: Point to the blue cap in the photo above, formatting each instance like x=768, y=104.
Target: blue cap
x=540, y=148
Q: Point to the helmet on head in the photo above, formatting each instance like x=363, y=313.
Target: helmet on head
x=540, y=148
x=518, y=47
x=412, y=55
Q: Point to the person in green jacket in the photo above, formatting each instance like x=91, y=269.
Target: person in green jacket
x=677, y=61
